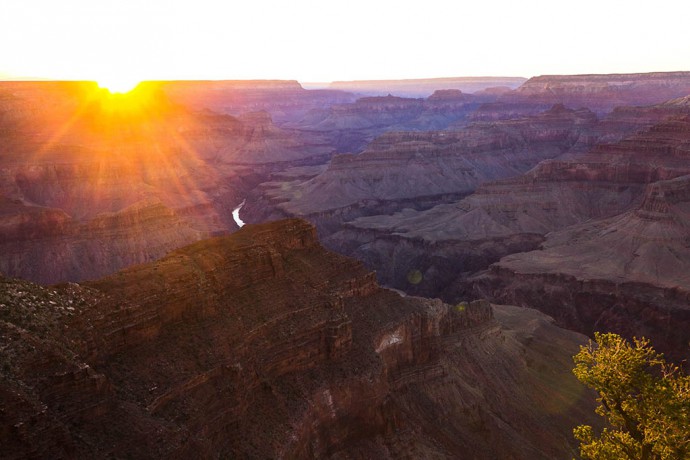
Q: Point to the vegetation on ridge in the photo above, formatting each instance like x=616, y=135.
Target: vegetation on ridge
x=645, y=401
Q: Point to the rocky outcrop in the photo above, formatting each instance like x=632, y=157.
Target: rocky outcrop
x=351, y=126
x=631, y=268
x=411, y=165
x=264, y=345
x=601, y=93
x=597, y=239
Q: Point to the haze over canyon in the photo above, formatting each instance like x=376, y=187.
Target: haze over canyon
x=418, y=260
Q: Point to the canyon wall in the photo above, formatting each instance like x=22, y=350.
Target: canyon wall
x=601, y=93
x=412, y=165
x=612, y=217
x=263, y=344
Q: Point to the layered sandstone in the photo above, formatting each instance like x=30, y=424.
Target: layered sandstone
x=47, y=245
x=351, y=126
x=410, y=165
x=263, y=344
x=601, y=93
x=631, y=268
x=597, y=239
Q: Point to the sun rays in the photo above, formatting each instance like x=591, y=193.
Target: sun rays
x=119, y=84
x=124, y=148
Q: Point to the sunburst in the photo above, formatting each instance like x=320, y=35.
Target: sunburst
x=118, y=84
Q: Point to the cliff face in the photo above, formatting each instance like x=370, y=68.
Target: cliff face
x=351, y=126
x=601, y=93
x=632, y=268
x=624, y=270
x=46, y=245
x=596, y=239
x=411, y=165
x=263, y=344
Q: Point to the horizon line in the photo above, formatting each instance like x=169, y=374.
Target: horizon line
x=8, y=78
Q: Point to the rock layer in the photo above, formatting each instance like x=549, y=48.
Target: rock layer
x=601, y=93
x=411, y=165
x=597, y=239
x=264, y=345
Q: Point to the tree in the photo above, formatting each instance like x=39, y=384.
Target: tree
x=645, y=401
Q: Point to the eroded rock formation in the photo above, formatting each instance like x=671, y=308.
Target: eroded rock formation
x=601, y=93
x=597, y=239
x=264, y=345
x=413, y=165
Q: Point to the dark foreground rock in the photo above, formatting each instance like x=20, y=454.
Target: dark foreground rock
x=264, y=345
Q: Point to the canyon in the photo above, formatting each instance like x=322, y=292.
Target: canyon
x=447, y=214
x=262, y=344
x=90, y=184
x=613, y=215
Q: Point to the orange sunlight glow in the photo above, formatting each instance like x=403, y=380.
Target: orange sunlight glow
x=118, y=83
x=130, y=148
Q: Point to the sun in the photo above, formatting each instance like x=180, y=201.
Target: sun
x=118, y=84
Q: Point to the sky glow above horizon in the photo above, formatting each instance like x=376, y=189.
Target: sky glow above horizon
x=314, y=41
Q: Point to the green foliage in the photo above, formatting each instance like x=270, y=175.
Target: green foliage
x=645, y=401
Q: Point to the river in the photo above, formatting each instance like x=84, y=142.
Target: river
x=236, y=214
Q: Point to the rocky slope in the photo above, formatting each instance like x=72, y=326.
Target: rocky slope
x=351, y=126
x=264, y=345
x=626, y=274
x=607, y=233
x=410, y=165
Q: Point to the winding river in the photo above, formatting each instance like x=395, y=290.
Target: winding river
x=236, y=214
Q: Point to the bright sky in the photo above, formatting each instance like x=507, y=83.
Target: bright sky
x=326, y=40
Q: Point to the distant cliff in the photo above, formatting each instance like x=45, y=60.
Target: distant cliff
x=286, y=100
x=424, y=87
x=601, y=93
x=412, y=164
